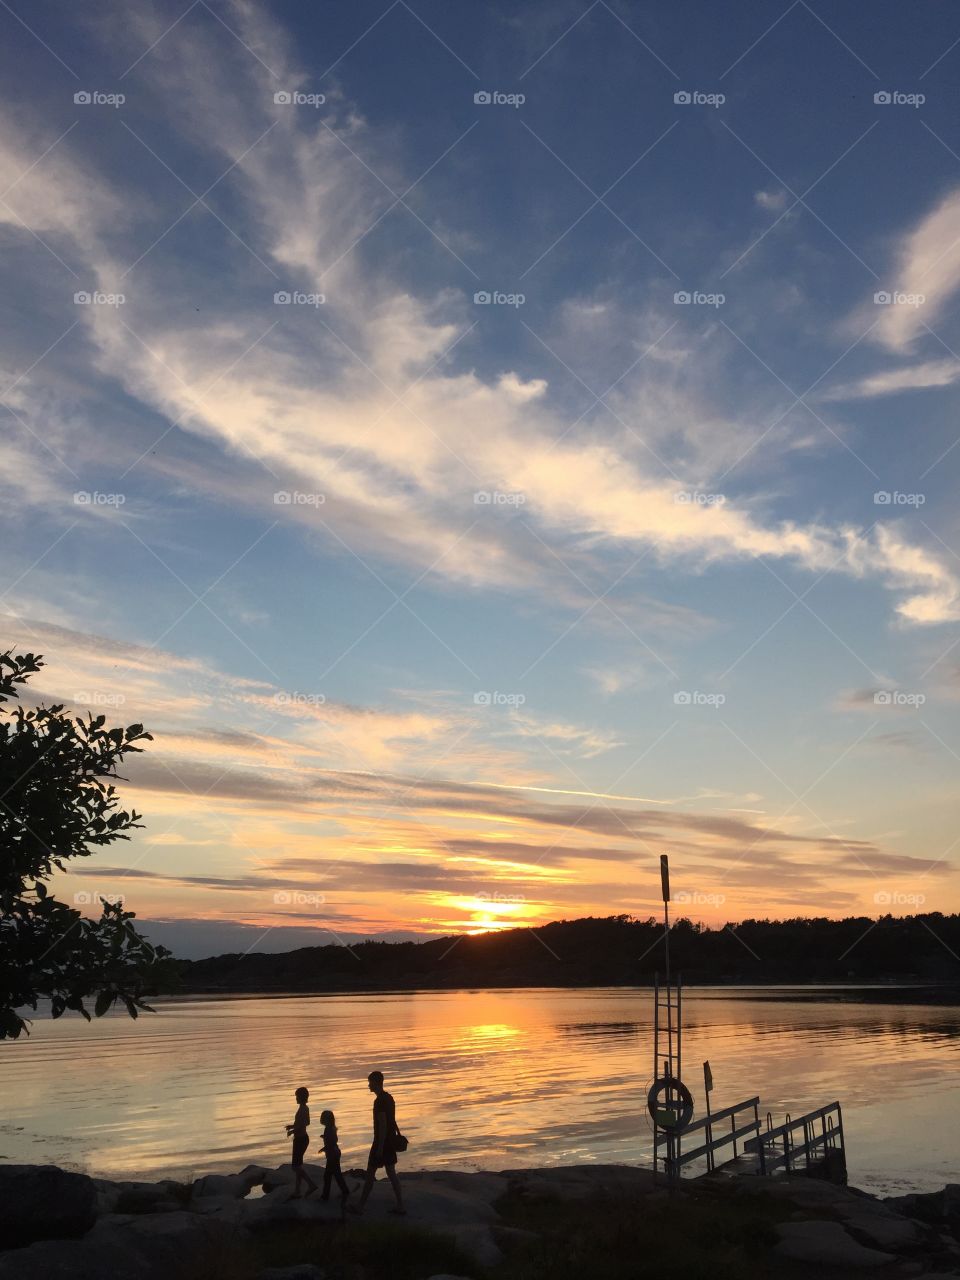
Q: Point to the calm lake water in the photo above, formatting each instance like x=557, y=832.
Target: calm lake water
x=482, y=1079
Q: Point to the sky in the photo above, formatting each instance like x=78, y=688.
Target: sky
x=489, y=446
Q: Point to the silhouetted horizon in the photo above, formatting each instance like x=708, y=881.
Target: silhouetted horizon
x=612, y=950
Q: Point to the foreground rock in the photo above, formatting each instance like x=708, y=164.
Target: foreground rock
x=233, y=1185
x=827, y=1244
x=172, y=1231
x=165, y=1246
x=42, y=1202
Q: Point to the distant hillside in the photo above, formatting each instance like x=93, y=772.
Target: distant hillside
x=613, y=951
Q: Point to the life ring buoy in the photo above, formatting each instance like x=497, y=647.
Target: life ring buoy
x=675, y=1116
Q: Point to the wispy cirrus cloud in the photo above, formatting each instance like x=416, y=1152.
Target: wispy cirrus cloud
x=361, y=402
x=930, y=373
x=928, y=267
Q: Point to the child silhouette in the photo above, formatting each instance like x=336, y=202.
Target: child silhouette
x=331, y=1150
x=301, y=1139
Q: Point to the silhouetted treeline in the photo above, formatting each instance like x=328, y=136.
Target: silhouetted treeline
x=614, y=951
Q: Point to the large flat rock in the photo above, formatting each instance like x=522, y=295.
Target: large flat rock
x=163, y=1246
x=279, y=1206
x=874, y=1223
x=826, y=1244
x=236, y=1185
x=582, y=1181
x=488, y=1187
x=42, y=1202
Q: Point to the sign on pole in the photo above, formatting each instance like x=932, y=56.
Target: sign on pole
x=665, y=877
x=707, y=1077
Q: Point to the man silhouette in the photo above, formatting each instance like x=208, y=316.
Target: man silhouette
x=383, y=1152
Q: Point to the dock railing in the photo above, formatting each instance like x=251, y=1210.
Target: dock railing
x=795, y=1146
x=722, y=1128
x=821, y=1130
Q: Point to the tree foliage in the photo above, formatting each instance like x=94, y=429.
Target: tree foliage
x=57, y=802
x=617, y=950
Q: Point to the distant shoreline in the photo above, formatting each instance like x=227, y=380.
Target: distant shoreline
x=899, y=958
x=927, y=993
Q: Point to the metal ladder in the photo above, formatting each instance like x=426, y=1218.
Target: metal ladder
x=668, y=1058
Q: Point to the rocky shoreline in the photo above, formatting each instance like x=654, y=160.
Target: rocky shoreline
x=58, y=1225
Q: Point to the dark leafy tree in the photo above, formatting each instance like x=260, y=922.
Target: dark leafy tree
x=57, y=801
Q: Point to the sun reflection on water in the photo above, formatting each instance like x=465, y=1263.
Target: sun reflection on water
x=482, y=1078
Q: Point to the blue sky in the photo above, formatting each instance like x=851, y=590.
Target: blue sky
x=722, y=245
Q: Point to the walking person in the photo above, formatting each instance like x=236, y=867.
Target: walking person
x=387, y=1139
x=301, y=1140
x=331, y=1150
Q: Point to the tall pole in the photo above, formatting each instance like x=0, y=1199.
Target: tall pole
x=665, y=888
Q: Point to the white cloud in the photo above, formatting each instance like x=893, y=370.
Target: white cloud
x=931, y=373
x=927, y=264
x=358, y=403
x=774, y=201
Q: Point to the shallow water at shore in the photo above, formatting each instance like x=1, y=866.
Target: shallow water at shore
x=482, y=1079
